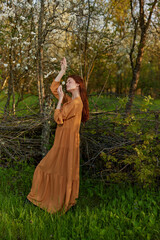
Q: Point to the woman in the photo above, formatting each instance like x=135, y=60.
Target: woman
x=55, y=184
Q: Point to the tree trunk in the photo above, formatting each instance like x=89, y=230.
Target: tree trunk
x=44, y=102
x=11, y=76
x=40, y=58
x=46, y=126
x=136, y=68
x=10, y=80
x=136, y=73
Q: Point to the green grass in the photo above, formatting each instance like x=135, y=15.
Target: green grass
x=23, y=106
x=104, y=103
x=102, y=212
x=107, y=103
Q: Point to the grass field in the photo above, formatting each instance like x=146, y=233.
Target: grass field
x=102, y=212
x=105, y=103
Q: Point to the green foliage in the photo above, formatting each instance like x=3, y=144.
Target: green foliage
x=137, y=161
x=148, y=101
x=122, y=102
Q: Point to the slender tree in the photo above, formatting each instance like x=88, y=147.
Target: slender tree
x=144, y=24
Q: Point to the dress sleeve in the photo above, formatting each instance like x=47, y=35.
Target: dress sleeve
x=54, y=86
x=66, y=112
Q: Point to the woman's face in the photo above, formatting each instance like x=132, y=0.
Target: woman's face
x=71, y=84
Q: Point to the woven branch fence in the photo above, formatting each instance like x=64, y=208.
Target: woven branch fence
x=106, y=140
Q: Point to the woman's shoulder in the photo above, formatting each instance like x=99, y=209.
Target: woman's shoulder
x=78, y=103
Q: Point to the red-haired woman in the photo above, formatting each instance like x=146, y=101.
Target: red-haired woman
x=55, y=184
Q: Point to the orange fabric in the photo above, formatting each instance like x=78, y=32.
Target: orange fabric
x=55, y=184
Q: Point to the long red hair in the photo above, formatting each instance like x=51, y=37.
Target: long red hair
x=84, y=97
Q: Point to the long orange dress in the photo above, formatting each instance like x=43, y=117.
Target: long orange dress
x=55, y=184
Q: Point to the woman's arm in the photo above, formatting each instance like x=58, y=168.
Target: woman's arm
x=67, y=112
x=56, y=82
x=60, y=98
x=59, y=103
x=59, y=76
x=63, y=70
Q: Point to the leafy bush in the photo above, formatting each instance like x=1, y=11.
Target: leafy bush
x=128, y=146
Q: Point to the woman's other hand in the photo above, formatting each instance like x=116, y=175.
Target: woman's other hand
x=60, y=92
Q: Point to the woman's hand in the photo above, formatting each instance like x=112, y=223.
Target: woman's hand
x=63, y=70
x=63, y=65
x=60, y=92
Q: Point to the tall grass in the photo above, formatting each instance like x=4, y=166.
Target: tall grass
x=102, y=211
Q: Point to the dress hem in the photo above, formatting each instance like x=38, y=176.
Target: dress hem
x=68, y=194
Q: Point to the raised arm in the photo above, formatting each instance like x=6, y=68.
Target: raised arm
x=54, y=86
x=63, y=70
x=56, y=82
